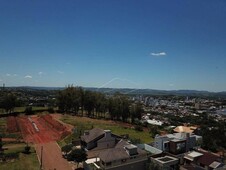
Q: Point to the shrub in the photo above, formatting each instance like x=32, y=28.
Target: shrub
x=51, y=110
x=27, y=149
x=139, y=128
x=28, y=110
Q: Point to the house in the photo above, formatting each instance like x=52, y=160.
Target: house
x=166, y=162
x=107, y=151
x=186, y=129
x=98, y=139
x=177, y=143
x=124, y=156
x=203, y=159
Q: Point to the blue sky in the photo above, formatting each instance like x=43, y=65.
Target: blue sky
x=156, y=44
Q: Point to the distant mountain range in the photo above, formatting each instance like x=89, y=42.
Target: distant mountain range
x=131, y=91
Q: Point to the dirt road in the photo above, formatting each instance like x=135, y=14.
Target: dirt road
x=51, y=157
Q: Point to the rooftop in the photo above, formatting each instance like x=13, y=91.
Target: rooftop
x=186, y=129
x=166, y=159
x=92, y=134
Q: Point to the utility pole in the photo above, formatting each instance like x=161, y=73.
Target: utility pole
x=41, y=158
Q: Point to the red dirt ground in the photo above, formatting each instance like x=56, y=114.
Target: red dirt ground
x=12, y=125
x=52, y=157
x=45, y=133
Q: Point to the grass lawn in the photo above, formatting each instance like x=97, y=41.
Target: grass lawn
x=34, y=108
x=25, y=161
x=84, y=123
x=3, y=125
x=22, y=109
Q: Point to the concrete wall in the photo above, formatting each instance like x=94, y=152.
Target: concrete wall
x=159, y=142
x=129, y=165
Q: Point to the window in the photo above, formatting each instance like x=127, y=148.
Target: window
x=108, y=164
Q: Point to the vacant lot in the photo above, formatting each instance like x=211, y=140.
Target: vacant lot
x=41, y=129
x=119, y=128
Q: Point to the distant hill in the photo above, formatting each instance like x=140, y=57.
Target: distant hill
x=131, y=91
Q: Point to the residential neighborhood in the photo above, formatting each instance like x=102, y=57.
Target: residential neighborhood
x=169, y=152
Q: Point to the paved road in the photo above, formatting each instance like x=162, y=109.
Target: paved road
x=51, y=157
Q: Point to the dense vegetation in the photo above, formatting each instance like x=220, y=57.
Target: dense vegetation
x=75, y=100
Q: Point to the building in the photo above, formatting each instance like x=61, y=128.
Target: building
x=166, y=162
x=152, y=151
x=203, y=160
x=177, y=143
x=185, y=129
x=107, y=151
x=98, y=139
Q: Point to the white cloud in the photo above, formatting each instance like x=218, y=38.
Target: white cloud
x=14, y=75
x=8, y=74
x=171, y=85
x=28, y=77
x=1, y=80
x=40, y=73
x=158, y=54
x=60, y=72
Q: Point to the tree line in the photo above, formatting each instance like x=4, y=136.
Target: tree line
x=77, y=101
x=8, y=101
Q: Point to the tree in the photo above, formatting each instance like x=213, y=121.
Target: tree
x=8, y=102
x=153, y=130
x=77, y=155
x=66, y=149
x=27, y=149
x=69, y=100
x=81, y=94
x=136, y=111
x=118, y=107
x=89, y=102
x=100, y=103
x=28, y=110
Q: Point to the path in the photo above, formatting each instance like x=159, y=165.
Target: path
x=51, y=157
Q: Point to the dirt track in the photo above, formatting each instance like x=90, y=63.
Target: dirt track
x=52, y=157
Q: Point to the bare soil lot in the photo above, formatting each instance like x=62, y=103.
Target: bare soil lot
x=41, y=129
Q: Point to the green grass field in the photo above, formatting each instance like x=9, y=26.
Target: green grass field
x=84, y=123
x=25, y=161
x=22, y=109
x=34, y=108
x=3, y=125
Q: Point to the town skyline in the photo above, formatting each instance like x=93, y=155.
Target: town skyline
x=118, y=44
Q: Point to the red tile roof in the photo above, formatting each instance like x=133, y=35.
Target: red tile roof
x=207, y=158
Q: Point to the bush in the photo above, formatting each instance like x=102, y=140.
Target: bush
x=27, y=149
x=28, y=110
x=139, y=128
x=135, y=141
x=51, y=110
x=8, y=156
